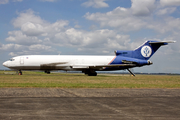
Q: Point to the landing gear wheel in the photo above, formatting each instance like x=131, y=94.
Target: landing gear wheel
x=48, y=72
x=92, y=74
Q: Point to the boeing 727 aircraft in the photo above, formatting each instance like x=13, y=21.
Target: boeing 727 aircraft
x=87, y=64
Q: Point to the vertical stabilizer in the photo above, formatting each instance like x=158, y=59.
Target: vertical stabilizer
x=145, y=51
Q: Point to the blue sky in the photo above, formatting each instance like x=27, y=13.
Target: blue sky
x=92, y=27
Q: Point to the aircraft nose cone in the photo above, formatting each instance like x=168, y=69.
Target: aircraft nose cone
x=5, y=64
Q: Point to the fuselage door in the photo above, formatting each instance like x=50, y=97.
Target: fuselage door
x=21, y=60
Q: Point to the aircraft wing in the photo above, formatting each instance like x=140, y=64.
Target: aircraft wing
x=83, y=66
x=53, y=64
x=112, y=65
x=98, y=67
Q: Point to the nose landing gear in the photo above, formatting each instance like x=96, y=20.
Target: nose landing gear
x=20, y=72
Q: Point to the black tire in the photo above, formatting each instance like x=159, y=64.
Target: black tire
x=48, y=72
x=92, y=74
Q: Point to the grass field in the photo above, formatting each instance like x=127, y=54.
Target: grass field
x=71, y=80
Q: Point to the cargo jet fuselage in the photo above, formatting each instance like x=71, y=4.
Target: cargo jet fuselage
x=87, y=64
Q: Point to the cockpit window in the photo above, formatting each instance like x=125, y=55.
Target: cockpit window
x=11, y=59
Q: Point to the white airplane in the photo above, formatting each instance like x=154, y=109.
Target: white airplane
x=87, y=64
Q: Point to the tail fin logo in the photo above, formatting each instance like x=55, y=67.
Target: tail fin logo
x=146, y=51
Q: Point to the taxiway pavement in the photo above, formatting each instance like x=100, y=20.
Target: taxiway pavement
x=89, y=104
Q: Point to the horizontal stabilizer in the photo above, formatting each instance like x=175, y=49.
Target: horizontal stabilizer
x=162, y=42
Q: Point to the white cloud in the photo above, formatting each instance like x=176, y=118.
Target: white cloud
x=39, y=47
x=95, y=3
x=28, y=16
x=7, y=1
x=38, y=35
x=142, y=7
x=22, y=39
x=4, y=1
x=94, y=41
x=166, y=11
x=11, y=47
x=29, y=22
x=32, y=29
x=121, y=18
x=170, y=2
x=167, y=25
x=77, y=26
x=125, y=20
x=12, y=54
x=23, y=49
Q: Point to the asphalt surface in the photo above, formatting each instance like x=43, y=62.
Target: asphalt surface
x=89, y=104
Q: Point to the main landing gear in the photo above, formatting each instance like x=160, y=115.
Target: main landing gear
x=90, y=72
x=48, y=72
